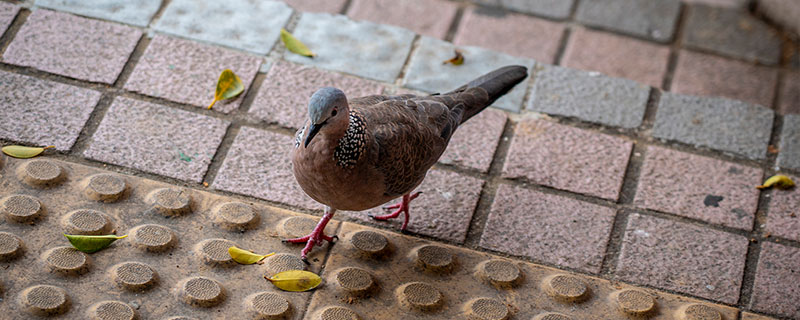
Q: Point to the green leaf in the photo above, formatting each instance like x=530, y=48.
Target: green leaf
x=295, y=45
x=246, y=257
x=295, y=280
x=777, y=181
x=90, y=244
x=24, y=152
x=228, y=86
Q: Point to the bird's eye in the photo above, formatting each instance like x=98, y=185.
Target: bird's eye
x=333, y=114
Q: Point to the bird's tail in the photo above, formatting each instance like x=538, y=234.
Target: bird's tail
x=496, y=83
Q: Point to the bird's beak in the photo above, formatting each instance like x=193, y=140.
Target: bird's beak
x=312, y=132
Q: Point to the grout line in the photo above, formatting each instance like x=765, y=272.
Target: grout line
x=608, y=266
x=675, y=48
x=455, y=24
x=131, y=62
x=159, y=12
x=650, y=111
x=407, y=64
x=562, y=45
x=13, y=29
x=222, y=151
x=346, y=7
x=91, y=125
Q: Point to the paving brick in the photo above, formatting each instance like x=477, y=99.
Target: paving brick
x=42, y=112
x=783, y=219
x=589, y=96
x=790, y=94
x=8, y=12
x=557, y=9
x=443, y=210
x=698, y=187
x=136, y=13
x=682, y=257
x=731, y=32
x=708, y=75
x=515, y=34
x=157, y=139
x=72, y=46
x=258, y=164
x=568, y=158
x=284, y=94
x=474, y=143
x=777, y=284
x=362, y=48
x=242, y=24
x=548, y=228
x=186, y=71
x=720, y=3
x=427, y=17
x=789, y=155
x=427, y=73
x=329, y=6
x=616, y=56
x=718, y=123
x=643, y=18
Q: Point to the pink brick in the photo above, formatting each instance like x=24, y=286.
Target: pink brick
x=783, y=219
x=790, y=94
x=514, y=34
x=719, y=3
x=777, y=284
x=698, y=187
x=187, y=72
x=474, y=143
x=707, y=75
x=568, y=158
x=616, y=56
x=330, y=6
x=426, y=17
x=7, y=13
x=72, y=46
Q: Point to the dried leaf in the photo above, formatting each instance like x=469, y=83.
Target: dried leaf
x=246, y=257
x=228, y=86
x=295, y=45
x=90, y=244
x=295, y=280
x=777, y=181
x=24, y=152
x=457, y=60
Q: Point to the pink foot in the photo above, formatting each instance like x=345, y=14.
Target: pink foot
x=401, y=207
x=316, y=237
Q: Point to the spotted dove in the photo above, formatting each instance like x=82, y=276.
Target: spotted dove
x=359, y=154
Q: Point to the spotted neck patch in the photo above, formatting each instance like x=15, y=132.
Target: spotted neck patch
x=298, y=137
x=352, y=144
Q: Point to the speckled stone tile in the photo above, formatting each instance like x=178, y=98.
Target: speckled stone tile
x=783, y=219
x=7, y=13
x=656, y=20
x=329, y=6
x=258, y=164
x=72, y=46
x=682, y=257
x=427, y=73
x=157, y=139
x=42, y=112
x=557, y=9
x=284, y=94
x=753, y=316
x=568, y=158
x=137, y=13
x=443, y=210
x=790, y=93
x=242, y=24
x=187, y=71
x=474, y=143
x=719, y=3
x=548, y=228
x=777, y=284
x=789, y=155
x=698, y=187
x=430, y=17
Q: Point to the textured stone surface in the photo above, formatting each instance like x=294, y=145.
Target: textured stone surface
x=329, y=6
x=643, y=18
x=474, y=143
x=136, y=13
x=789, y=156
x=731, y=32
x=589, y=96
x=548, y=228
x=708, y=75
x=7, y=13
x=790, y=94
x=753, y=316
x=427, y=73
x=362, y=48
x=42, y=112
x=568, y=158
x=616, y=56
x=717, y=123
x=426, y=17
x=777, y=284
x=719, y=3
x=698, y=187
x=783, y=219
x=242, y=24
x=442, y=211
x=72, y=46
x=557, y=9
x=785, y=12
x=682, y=257
x=187, y=71
x=258, y=164
x=284, y=94
x=157, y=139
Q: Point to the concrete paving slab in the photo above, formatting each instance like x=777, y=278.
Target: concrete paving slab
x=136, y=13
x=556, y=9
x=731, y=32
x=654, y=20
x=777, y=282
x=789, y=154
x=426, y=17
x=783, y=219
x=475, y=141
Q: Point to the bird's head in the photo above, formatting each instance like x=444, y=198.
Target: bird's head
x=327, y=108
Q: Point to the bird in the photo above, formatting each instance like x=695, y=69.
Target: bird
x=361, y=153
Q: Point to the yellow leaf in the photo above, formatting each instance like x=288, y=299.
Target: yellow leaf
x=228, y=86
x=90, y=244
x=777, y=181
x=295, y=45
x=24, y=152
x=457, y=60
x=295, y=280
x=246, y=257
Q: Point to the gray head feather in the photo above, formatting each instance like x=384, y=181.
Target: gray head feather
x=323, y=102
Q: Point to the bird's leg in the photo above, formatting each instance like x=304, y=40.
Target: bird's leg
x=317, y=236
x=403, y=207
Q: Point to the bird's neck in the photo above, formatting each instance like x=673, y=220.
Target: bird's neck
x=352, y=143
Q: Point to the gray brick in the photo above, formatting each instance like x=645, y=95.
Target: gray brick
x=426, y=72
x=137, y=13
x=733, y=33
x=558, y=9
x=789, y=156
x=718, y=123
x=644, y=18
x=589, y=96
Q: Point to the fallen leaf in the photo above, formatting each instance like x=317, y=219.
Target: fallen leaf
x=246, y=257
x=90, y=244
x=295, y=45
x=205, y=184
x=772, y=149
x=24, y=152
x=228, y=86
x=295, y=280
x=778, y=181
x=457, y=60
